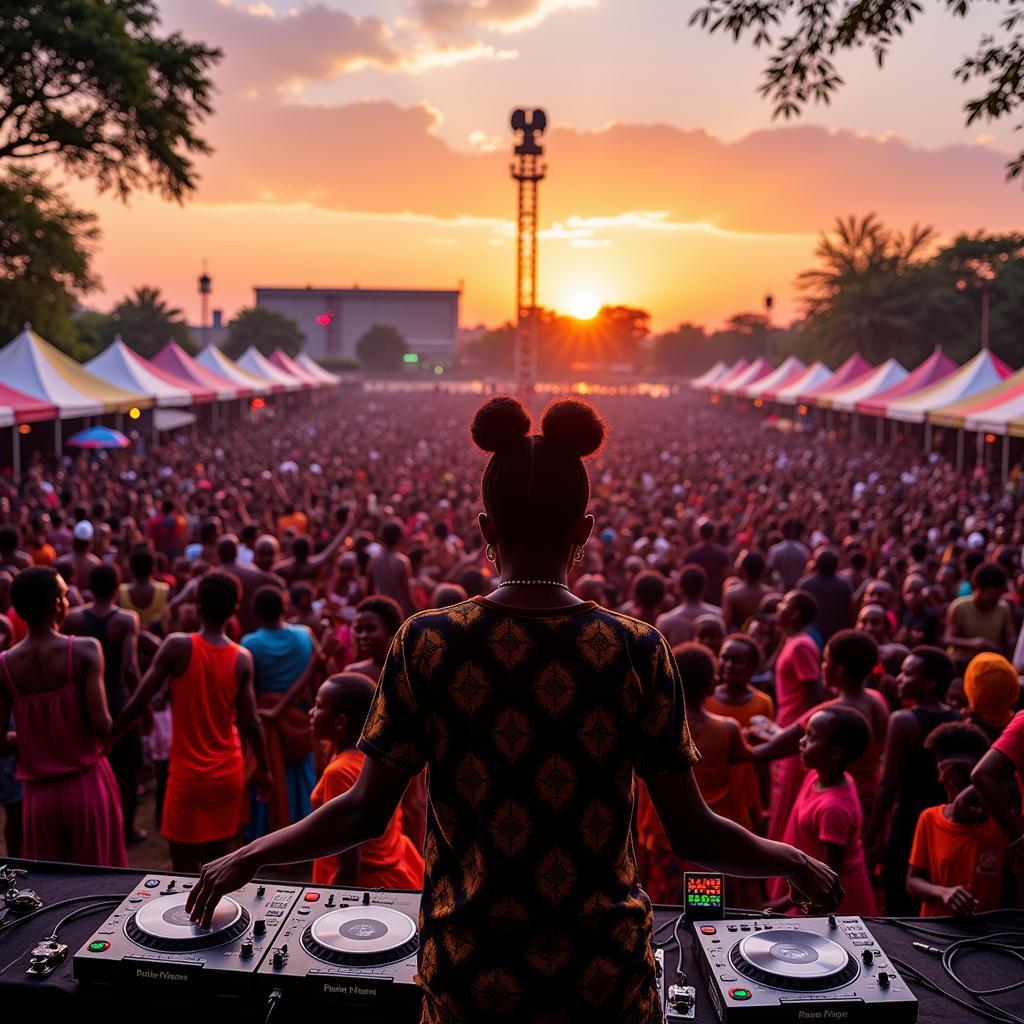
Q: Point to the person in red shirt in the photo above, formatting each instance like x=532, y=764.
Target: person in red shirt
x=958, y=859
x=993, y=779
x=391, y=861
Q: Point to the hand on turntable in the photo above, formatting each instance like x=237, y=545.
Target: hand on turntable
x=815, y=887
x=216, y=880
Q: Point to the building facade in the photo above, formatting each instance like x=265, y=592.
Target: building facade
x=334, y=319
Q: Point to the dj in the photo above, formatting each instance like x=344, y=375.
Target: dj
x=534, y=712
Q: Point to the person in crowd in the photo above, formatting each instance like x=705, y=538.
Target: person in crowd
x=377, y=621
x=999, y=782
x=648, y=596
x=677, y=625
x=744, y=593
x=149, y=598
x=920, y=624
x=850, y=658
x=40, y=550
x=993, y=691
x=166, y=531
x=390, y=861
x=210, y=680
x=76, y=566
x=285, y=660
x=556, y=703
x=827, y=821
x=711, y=557
x=117, y=633
x=448, y=594
x=390, y=572
x=910, y=777
x=980, y=622
x=709, y=631
x=831, y=593
x=798, y=688
x=53, y=686
x=958, y=860
x=789, y=557
x=12, y=557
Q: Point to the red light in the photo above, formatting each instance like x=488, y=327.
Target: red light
x=257, y=403
x=324, y=319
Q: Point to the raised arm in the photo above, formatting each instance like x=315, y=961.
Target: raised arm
x=354, y=817
x=170, y=660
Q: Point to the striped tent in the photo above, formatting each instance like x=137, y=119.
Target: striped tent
x=123, y=366
x=216, y=362
x=785, y=373
x=37, y=369
x=943, y=402
x=855, y=367
x=173, y=359
x=709, y=377
x=311, y=366
x=788, y=394
x=254, y=362
x=283, y=361
x=754, y=372
x=882, y=377
x=938, y=366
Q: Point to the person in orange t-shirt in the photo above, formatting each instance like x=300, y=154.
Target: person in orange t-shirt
x=390, y=861
x=958, y=860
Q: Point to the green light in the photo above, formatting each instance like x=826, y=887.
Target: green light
x=410, y=357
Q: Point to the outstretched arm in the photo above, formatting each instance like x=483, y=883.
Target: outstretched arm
x=360, y=814
x=165, y=664
x=696, y=833
x=991, y=777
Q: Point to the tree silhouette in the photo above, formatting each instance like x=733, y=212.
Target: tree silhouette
x=146, y=322
x=267, y=329
x=381, y=349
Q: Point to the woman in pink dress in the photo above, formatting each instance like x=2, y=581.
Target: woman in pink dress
x=797, y=689
x=53, y=684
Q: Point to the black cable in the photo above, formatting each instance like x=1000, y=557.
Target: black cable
x=996, y=1013
x=1001, y=943
x=23, y=918
x=81, y=912
x=680, y=973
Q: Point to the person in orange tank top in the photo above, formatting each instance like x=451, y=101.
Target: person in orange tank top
x=390, y=861
x=212, y=701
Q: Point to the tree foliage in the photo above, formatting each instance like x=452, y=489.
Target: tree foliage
x=146, y=323
x=94, y=87
x=803, y=40
x=45, y=248
x=381, y=349
x=267, y=329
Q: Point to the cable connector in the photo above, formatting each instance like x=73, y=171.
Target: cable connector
x=925, y=948
x=273, y=999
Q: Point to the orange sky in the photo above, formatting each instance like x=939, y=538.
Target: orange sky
x=318, y=180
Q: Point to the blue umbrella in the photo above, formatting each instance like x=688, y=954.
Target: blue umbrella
x=98, y=437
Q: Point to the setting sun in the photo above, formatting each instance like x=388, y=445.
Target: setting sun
x=584, y=306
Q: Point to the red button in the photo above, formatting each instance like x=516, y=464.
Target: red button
x=311, y=897
x=708, y=929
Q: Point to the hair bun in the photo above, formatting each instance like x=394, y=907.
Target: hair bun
x=499, y=424
x=574, y=426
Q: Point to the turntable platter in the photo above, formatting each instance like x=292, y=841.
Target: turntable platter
x=164, y=924
x=361, y=935
x=793, y=959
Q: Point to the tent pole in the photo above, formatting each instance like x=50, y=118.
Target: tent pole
x=16, y=452
x=960, y=450
x=927, y=437
x=880, y=433
x=979, y=458
x=58, y=440
x=1006, y=458
x=119, y=420
x=856, y=427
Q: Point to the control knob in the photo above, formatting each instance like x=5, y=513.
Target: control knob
x=867, y=956
x=259, y=926
x=883, y=979
x=280, y=957
x=247, y=949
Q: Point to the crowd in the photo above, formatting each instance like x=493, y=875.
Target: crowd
x=211, y=616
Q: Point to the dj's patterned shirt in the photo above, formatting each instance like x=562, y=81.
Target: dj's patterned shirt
x=534, y=726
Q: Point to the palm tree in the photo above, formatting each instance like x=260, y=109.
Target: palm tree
x=147, y=322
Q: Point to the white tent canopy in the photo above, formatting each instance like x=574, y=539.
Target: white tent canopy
x=815, y=374
x=118, y=364
x=708, y=377
x=785, y=371
x=755, y=371
x=976, y=375
x=883, y=376
x=213, y=359
x=254, y=362
x=310, y=365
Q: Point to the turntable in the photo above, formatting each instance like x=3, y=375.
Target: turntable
x=149, y=940
x=349, y=947
x=800, y=969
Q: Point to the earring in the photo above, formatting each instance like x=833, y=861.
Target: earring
x=489, y=553
x=578, y=557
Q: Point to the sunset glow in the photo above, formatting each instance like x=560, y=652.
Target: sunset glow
x=584, y=306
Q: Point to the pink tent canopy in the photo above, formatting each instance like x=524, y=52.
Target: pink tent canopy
x=737, y=371
x=853, y=369
x=758, y=369
x=935, y=368
x=24, y=408
x=176, y=361
x=283, y=361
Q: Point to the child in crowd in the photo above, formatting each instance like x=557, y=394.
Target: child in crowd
x=337, y=718
x=910, y=780
x=827, y=821
x=958, y=858
x=992, y=690
x=850, y=658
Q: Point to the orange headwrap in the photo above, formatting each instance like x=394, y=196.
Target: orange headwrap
x=991, y=686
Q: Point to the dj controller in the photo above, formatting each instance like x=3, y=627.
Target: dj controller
x=354, y=952
x=348, y=946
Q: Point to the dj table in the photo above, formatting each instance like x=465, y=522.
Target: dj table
x=60, y=993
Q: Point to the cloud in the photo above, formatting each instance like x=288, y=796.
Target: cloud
x=446, y=19
x=381, y=157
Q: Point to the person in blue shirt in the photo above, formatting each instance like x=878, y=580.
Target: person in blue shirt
x=286, y=661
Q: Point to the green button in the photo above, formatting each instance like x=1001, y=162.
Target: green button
x=99, y=946
x=739, y=993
